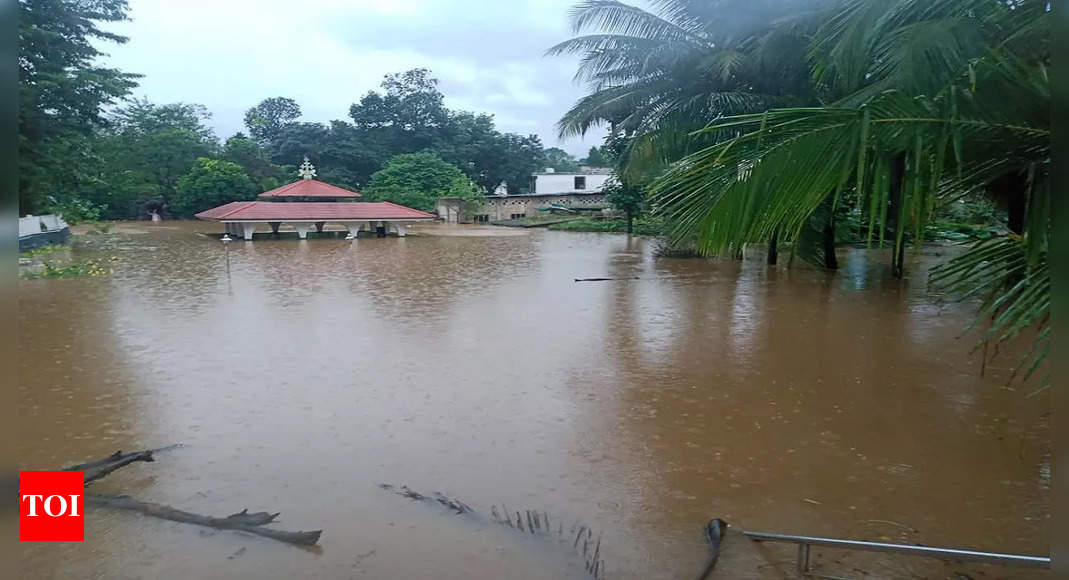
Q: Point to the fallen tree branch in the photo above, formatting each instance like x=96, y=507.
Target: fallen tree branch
x=604, y=279
x=95, y=470
x=242, y=521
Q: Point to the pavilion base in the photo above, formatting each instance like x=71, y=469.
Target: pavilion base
x=267, y=235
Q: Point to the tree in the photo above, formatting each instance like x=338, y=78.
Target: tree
x=157, y=144
x=595, y=158
x=62, y=92
x=943, y=99
x=657, y=76
x=212, y=182
x=252, y=158
x=626, y=197
x=409, y=116
x=266, y=120
x=560, y=160
x=416, y=180
x=523, y=155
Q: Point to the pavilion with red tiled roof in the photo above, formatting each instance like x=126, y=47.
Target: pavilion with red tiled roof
x=309, y=188
x=241, y=218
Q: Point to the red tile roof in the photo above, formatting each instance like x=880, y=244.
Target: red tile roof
x=333, y=211
x=309, y=188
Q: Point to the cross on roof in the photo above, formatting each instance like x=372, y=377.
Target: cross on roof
x=307, y=170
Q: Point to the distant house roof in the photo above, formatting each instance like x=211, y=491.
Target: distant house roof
x=310, y=188
x=583, y=170
x=312, y=211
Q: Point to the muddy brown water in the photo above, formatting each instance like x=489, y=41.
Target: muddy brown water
x=304, y=373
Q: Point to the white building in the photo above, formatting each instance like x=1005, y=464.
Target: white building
x=552, y=191
x=586, y=180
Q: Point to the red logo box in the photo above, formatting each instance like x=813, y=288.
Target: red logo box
x=51, y=506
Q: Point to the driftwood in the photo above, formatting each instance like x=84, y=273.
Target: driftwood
x=242, y=521
x=604, y=279
x=714, y=534
x=95, y=470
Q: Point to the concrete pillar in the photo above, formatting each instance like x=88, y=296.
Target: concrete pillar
x=274, y=226
x=401, y=228
x=302, y=228
x=247, y=228
x=353, y=227
x=319, y=226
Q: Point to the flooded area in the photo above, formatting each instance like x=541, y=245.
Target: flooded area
x=301, y=374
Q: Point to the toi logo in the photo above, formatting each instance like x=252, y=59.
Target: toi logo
x=51, y=506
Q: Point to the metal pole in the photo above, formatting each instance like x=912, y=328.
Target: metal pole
x=928, y=551
x=803, y=559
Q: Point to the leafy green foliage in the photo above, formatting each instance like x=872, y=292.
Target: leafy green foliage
x=212, y=182
x=1015, y=288
x=62, y=92
x=657, y=76
x=641, y=227
x=145, y=152
x=75, y=211
x=561, y=160
x=266, y=120
x=417, y=180
x=595, y=158
x=936, y=101
x=249, y=155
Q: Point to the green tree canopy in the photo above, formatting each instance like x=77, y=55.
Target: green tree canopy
x=157, y=144
x=211, y=182
x=416, y=180
x=656, y=76
x=595, y=158
x=62, y=93
x=266, y=120
x=251, y=157
x=934, y=101
x=560, y=160
x=626, y=197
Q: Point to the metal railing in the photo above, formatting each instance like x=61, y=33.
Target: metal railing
x=804, y=543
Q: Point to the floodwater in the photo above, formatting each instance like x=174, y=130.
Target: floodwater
x=299, y=375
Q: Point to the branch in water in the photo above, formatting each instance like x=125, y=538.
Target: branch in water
x=95, y=470
x=242, y=521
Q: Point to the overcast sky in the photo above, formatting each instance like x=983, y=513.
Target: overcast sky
x=230, y=54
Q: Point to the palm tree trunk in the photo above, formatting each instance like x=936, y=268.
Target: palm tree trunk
x=1011, y=192
x=898, y=174
x=831, y=261
x=630, y=223
x=773, y=248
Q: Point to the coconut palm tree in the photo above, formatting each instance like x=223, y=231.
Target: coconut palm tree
x=656, y=76
x=936, y=99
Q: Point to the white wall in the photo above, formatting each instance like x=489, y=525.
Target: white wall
x=565, y=182
x=35, y=224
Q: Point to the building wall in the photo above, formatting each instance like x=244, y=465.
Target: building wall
x=565, y=182
x=503, y=208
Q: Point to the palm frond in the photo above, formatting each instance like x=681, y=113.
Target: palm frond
x=615, y=17
x=1015, y=289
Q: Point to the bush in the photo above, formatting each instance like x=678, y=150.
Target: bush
x=211, y=182
x=643, y=227
x=76, y=211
